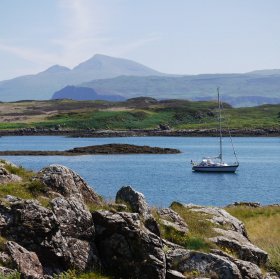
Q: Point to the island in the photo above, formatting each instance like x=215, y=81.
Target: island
x=112, y=148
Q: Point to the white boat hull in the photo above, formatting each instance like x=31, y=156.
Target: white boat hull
x=231, y=168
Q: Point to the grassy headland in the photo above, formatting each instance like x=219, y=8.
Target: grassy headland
x=138, y=113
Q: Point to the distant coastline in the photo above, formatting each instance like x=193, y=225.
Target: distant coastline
x=261, y=132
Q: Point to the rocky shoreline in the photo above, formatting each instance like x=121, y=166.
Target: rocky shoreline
x=103, y=149
x=163, y=131
x=67, y=226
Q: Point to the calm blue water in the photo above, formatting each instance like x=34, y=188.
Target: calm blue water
x=165, y=178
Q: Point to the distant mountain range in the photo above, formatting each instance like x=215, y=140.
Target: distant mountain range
x=122, y=78
x=43, y=85
x=84, y=94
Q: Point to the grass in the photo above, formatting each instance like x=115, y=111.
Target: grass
x=200, y=229
x=14, y=275
x=28, y=188
x=71, y=274
x=178, y=114
x=263, y=226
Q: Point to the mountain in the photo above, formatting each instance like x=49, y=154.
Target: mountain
x=44, y=84
x=83, y=94
x=237, y=89
x=125, y=78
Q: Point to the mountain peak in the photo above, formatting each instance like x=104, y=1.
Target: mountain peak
x=56, y=69
x=112, y=66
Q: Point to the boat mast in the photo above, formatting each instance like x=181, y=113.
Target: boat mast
x=220, y=126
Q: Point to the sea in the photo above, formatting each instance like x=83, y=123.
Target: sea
x=169, y=177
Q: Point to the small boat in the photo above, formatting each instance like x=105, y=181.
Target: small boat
x=216, y=164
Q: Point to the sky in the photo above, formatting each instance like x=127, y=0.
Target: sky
x=171, y=36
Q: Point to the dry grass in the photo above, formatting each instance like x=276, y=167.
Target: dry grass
x=263, y=226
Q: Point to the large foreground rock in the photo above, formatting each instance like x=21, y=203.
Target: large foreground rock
x=38, y=229
x=68, y=183
x=73, y=217
x=26, y=262
x=127, y=248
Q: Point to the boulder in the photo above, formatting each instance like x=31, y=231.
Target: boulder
x=137, y=203
x=240, y=245
x=173, y=274
x=7, y=177
x=26, y=262
x=29, y=222
x=37, y=229
x=135, y=200
x=220, y=217
x=126, y=247
x=83, y=255
x=247, y=269
x=170, y=218
x=68, y=183
x=73, y=217
x=204, y=264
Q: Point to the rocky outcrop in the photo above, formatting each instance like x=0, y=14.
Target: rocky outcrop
x=240, y=245
x=26, y=262
x=126, y=248
x=170, y=218
x=137, y=203
x=204, y=264
x=7, y=177
x=43, y=241
x=220, y=217
x=73, y=217
x=66, y=182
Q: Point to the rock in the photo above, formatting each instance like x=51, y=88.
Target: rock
x=73, y=217
x=84, y=255
x=173, y=274
x=5, y=259
x=30, y=222
x=126, y=248
x=187, y=261
x=164, y=127
x=7, y=272
x=241, y=246
x=26, y=262
x=247, y=269
x=272, y=275
x=136, y=201
x=248, y=204
x=220, y=217
x=170, y=218
x=37, y=229
x=6, y=177
x=68, y=183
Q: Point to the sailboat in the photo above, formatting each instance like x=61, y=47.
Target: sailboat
x=217, y=164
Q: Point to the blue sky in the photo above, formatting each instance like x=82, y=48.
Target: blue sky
x=173, y=36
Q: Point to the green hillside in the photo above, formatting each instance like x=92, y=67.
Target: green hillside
x=138, y=113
